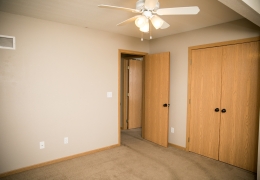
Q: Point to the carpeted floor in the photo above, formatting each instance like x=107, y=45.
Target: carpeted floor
x=137, y=159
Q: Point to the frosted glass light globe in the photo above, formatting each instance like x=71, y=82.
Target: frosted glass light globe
x=157, y=22
x=140, y=21
x=145, y=27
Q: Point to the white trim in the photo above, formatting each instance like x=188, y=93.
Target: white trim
x=11, y=37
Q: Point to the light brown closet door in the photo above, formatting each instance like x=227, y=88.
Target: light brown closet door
x=135, y=94
x=240, y=98
x=157, y=84
x=205, y=98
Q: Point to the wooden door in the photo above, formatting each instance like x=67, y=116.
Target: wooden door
x=240, y=98
x=205, y=98
x=125, y=93
x=135, y=94
x=156, y=85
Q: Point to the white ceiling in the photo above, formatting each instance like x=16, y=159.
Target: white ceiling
x=250, y=9
x=85, y=13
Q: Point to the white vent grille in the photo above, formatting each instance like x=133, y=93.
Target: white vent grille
x=7, y=42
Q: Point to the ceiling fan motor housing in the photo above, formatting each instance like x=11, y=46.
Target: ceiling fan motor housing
x=140, y=5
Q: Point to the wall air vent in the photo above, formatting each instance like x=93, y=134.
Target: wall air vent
x=7, y=42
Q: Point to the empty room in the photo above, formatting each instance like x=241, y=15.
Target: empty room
x=137, y=89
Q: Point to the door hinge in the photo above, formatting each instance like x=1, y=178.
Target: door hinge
x=189, y=101
x=188, y=139
x=127, y=94
x=126, y=120
x=128, y=67
x=191, y=62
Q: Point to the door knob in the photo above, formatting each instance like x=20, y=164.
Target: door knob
x=217, y=110
x=223, y=110
x=166, y=105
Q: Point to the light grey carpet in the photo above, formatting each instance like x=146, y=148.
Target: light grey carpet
x=137, y=159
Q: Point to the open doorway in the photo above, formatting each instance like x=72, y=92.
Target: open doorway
x=131, y=91
x=155, y=95
x=131, y=66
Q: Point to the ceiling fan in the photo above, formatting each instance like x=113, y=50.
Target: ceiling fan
x=149, y=9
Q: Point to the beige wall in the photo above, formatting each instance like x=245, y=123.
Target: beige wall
x=54, y=85
x=178, y=45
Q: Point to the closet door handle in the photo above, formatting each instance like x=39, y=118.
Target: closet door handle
x=223, y=110
x=217, y=110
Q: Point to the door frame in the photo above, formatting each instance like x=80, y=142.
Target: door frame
x=120, y=52
x=190, y=74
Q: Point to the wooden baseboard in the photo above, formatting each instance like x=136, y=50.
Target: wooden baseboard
x=176, y=146
x=56, y=161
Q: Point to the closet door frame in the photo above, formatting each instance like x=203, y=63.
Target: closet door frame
x=190, y=74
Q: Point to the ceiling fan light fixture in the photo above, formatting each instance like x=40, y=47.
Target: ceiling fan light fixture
x=148, y=14
x=140, y=21
x=157, y=22
x=145, y=27
x=150, y=9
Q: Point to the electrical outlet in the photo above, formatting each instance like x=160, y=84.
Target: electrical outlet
x=109, y=94
x=42, y=145
x=66, y=140
x=172, y=130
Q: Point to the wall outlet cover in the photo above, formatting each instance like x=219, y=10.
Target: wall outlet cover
x=109, y=94
x=42, y=145
x=66, y=140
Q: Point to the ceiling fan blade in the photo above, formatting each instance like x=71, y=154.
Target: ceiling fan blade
x=165, y=25
x=150, y=4
x=128, y=20
x=179, y=11
x=120, y=8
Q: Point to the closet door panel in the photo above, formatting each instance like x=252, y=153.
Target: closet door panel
x=240, y=98
x=205, y=98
